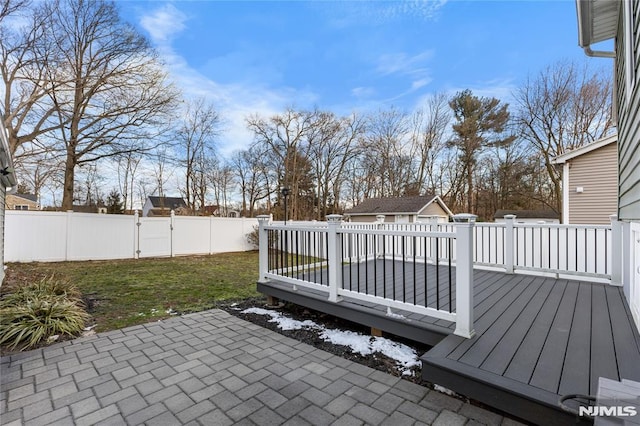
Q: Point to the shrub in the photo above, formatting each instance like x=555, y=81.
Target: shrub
x=34, y=313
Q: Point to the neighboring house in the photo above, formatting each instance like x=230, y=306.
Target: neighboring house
x=590, y=182
x=89, y=209
x=400, y=209
x=605, y=20
x=8, y=184
x=162, y=206
x=22, y=202
x=221, y=211
x=528, y=216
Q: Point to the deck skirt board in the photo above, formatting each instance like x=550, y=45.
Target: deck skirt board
x=537, y=338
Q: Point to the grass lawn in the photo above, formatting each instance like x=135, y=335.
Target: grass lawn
x=122, y=293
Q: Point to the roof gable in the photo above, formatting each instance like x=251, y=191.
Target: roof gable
x=561, y=159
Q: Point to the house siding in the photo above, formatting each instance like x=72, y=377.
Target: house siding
x=433, y=209
x=597, y=173
x=3, y=191
x=628, y=123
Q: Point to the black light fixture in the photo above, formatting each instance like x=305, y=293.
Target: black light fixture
x=285, y=191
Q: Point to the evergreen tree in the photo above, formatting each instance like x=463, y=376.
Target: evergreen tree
x=480, y=123
x=114, y=203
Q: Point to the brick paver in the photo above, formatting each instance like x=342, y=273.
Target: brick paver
x=211, y=368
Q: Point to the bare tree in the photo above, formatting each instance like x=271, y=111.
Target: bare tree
x=196, y=139
x=386, y=155
x=128, y=164
x=110, y=87
x=250, y=170
x=281, y=139
x=26, y=51
x=564, y=107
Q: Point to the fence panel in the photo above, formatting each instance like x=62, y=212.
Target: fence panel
x=191, y=235
x=230, y=234
x=100, y=236
x=35, y=236
x=154, y=237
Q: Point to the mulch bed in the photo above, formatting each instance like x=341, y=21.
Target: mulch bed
x=376, y=360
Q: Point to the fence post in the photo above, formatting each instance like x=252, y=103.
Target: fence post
x=616, y=251
x=263, y=247
x=171, y=217
x=334, y=255
x=136, y=234
x=464, y=277
x=380, y=244
x=509, y=220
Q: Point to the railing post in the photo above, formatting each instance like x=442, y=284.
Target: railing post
x=509, y=220
x=616, y=251
x=380, y=245
x=333, y=256
x=263, y=247
x=464, y=276
x=433, y=227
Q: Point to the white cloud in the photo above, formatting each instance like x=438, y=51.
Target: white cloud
x=164, y=23
x=403, y=64
x=363, y=92
x=234, y=101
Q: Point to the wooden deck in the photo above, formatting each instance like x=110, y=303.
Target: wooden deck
x=537, y=338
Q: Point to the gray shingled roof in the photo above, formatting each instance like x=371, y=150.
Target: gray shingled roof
x=167, y=202
x=30, y=197
x=411, y=205
x=528, y=214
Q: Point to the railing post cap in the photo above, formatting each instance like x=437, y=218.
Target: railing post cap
x=465, y=217
x=509, y=216
x=380, y=218
x=334, y=218
x=613, y=217
x=263, y=217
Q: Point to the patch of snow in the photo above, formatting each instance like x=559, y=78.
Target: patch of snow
x=285, y=323
x=444, y=390
x=405, y=357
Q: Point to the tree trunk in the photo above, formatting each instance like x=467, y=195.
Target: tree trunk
x=69, y=176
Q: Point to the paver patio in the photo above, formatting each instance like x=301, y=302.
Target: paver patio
x=211, y=368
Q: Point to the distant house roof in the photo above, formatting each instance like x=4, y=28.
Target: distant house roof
x=167, y=202
x=561, y=159
x=395, y=205
x=30, y=197
x=528, y=214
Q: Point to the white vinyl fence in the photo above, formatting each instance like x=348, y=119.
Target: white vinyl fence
x=57, y=236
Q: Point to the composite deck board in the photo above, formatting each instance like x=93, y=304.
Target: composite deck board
x=546, y=373
x=576, y=367
x=603, y=355
x=528, y=352
x=537, y=338
x=503, y=352
x=625, y=335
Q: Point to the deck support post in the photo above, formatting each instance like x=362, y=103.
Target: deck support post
x=334, y=222
x=616, y=251
x=464, y=278
x=509, y=220
x=263, y=247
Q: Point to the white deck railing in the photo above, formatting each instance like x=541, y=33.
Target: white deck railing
x=405, y=269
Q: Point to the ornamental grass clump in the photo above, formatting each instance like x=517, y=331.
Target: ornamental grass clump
x=35, y=313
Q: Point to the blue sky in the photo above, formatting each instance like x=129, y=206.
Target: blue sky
x=261, y=57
